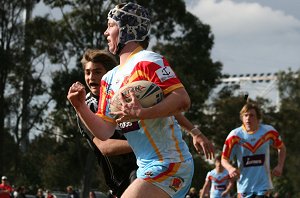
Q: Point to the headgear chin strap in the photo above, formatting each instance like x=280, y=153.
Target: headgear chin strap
x=133, y=21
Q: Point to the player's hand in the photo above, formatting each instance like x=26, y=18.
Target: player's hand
x=76, y=94
x=224, y=194
x=277, y=171
x=234, y=173
x=129, y=110
x=201, y=143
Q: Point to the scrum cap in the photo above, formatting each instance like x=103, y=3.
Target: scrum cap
x=133, y=21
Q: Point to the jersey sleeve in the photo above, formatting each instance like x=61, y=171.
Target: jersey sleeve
x=208, y=176
x=229, y=146
x=276, y=140
x=158, y=71
x=105, y=96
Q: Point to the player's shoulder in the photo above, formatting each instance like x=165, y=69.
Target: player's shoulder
x=236, y=132
x=110, y=73
x=212, y=172
x=267, y=127
x=150, y=56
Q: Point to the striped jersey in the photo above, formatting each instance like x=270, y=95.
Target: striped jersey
x=152, y=139
x=252, y=153
x=219, y=182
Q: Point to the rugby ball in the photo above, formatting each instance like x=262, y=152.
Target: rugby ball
x=148, y=94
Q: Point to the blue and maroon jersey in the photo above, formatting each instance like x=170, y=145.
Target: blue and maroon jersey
x=252, y=151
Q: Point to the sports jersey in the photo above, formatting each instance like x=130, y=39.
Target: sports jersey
x=219, y=182
x=120, y=170
x=252, y=152
x=154, y=141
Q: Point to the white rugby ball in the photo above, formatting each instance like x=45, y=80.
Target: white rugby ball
x=148, y=94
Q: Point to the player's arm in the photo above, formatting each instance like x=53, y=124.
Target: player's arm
x=228, y=187
x=112, y=147
x=205, y=189
x=99, y=127
x=233, y=171
x=175, y=102
x=277, y=171
x=199, y=140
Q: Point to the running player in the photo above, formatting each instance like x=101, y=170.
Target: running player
x=250, y=144
x=217, y=182
x=165, y=163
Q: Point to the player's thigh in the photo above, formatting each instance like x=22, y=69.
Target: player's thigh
x=143, y=189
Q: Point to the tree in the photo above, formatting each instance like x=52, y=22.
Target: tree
x=288, y=124
x=192, y=62
x=22, y=96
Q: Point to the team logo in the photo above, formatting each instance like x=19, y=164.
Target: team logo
x=165, y=73
x=176, y=183
x=149, y=173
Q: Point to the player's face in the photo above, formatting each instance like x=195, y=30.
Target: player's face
x=250, y=120
x=218, y=164
x=93, y=73
x=112, y=35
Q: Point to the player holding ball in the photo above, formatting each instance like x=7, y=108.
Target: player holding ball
x=165, y=163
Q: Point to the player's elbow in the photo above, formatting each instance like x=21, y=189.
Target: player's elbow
x=184, y=100
x=106, y=151
x=185, y=104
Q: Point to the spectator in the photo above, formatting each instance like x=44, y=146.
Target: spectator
x=71, y=192
x=5, y=189
x=92, y=194
x=49, y=194
x=21, y=192
x=192, y=193
x=40, y=193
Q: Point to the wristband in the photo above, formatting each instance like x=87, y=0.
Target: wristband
x=195, y=131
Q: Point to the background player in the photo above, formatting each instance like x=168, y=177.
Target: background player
x=217, y=182
x=250, y=145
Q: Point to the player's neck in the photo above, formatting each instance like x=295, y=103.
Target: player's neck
x=128, y=51
x=251, y=130
x=219, y=170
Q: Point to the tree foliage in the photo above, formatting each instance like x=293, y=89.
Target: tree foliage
x=288, y=124
x=22, y=88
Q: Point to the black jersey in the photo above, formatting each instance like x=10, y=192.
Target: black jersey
x=119, y=171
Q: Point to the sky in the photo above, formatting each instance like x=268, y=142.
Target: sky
x=252, y=36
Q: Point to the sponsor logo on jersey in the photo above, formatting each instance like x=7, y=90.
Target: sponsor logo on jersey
x=254, y=160
x=129, y=126
x=165, y=73
x=220, y=187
